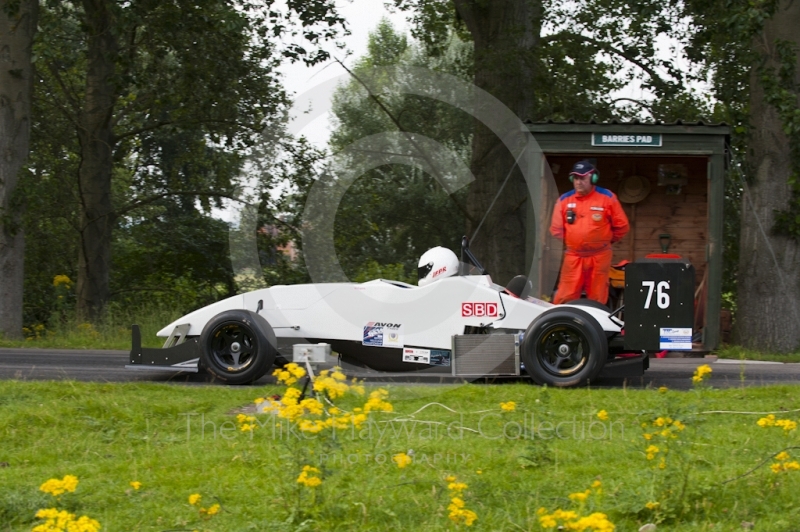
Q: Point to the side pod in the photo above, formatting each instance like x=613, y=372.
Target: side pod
x=182, y=357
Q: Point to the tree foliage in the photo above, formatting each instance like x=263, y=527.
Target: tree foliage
x=18, y=22
x=144, y=113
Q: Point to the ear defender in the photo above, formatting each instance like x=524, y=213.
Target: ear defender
x=595, y=178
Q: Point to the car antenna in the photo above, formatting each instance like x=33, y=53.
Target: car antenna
x=510, y=171
x=468, y=258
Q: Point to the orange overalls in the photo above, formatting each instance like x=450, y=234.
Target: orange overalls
x=599, y=221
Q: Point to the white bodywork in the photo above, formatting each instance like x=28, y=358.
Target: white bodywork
x=426, y=316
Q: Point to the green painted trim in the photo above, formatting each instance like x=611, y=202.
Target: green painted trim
x=673, y=129
x=716, y=195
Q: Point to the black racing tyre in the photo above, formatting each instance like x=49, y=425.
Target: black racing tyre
x=586, y=302
x=564, y=347
x=237, y=346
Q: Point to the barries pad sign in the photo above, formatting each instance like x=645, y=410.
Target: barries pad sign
x=625, y=139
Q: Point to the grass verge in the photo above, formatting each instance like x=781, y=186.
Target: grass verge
x=113, y=331
x=736, y=352
x=689, y=461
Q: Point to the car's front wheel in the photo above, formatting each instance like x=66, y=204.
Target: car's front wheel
x=564, y=347
x=238, y=346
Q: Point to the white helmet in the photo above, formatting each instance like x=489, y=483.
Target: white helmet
x=435, y=264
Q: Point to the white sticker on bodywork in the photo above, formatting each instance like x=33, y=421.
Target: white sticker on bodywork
x=417, y=356
x=675, y=338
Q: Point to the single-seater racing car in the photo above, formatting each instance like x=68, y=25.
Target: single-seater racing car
x=450, y=323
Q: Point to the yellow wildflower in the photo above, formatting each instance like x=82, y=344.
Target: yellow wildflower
x=307, y=477
x=777, y=467
x=211, y=510
x=647, y=436
x=377, y=402
x=768, y=421
x=652, y=505
x=136, y=484
x=56, y=487
x=596, y=521
x=402, y=460
x=58, y=521
x=547, y=521
x=509, y=406
x=602, y=415
x=457, y=486
x=651, y=452
x=459, y=514
x=701, y=373
x=596, y=484
x=663, y=389
x=781, y=456
x=194, y=498
x=291, y=396
x=579, y=496
x=333, y=388
x=58, y=280
x=289, y=374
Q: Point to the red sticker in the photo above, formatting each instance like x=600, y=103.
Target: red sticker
x=469, y=310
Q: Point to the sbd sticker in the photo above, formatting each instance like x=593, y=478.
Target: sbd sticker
x=469, y=310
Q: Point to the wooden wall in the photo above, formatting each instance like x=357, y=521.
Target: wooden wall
x=684, y=215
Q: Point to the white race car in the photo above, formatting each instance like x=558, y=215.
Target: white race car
x=454, y=324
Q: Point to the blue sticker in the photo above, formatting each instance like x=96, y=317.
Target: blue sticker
x=440, y=357
x=373, y=335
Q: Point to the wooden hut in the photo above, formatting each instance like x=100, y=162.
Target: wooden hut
x=671, y=180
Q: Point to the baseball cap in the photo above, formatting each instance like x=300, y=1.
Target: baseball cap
x=582, y=168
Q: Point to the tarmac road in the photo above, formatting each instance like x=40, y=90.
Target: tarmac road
x=109, y=366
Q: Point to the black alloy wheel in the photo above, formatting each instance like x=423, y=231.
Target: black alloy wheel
x=563, y=350
x=564, y=347
x=238, y=346
x=233, y=346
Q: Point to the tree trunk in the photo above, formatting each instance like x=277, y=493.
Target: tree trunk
x=768, y=302
x=505, y=35
x=17, y=28
x=97, y=142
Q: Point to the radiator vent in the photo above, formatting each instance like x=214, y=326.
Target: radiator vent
x=486, y=354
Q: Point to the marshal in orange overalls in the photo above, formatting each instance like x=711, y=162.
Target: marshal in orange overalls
x=597, y=222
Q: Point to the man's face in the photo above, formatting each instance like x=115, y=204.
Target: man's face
x=582, y=184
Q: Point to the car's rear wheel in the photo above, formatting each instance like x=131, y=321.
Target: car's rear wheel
x=564, y=347
x=238, y=346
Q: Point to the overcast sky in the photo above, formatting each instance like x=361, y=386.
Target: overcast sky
x=362, y=17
